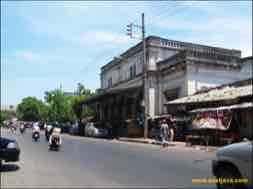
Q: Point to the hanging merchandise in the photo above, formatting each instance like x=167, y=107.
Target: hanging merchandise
x=212, y=120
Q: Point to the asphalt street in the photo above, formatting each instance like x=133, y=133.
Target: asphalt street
x=87, y=162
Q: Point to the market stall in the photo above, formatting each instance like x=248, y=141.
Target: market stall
x=218, y=125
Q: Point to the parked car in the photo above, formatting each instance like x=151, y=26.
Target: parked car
x=155, y=133
x=234, y=161
x=9, y=151
x=65, y=127
x=28, y=124
x=92, y=131
x=74, y=130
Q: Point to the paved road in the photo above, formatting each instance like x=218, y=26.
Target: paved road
x=86, y=162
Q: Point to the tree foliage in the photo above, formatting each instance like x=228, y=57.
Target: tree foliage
x=57, y=106
x=60, y=106
x=82, y=91
x=79, y=109
x=6, y=115
x=32, y=109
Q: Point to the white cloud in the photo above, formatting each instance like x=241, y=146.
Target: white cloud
x=226, y=32
x=194, y=4
x=29, y=56
x=104, y=37
x=76, y=24
x=48, y=57
x=215, y=24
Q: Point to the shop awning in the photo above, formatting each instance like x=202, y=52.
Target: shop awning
x=215, y=95
x=236, y=106
x=109, y=93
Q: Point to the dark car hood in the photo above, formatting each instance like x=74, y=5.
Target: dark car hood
x=5, y=141
x=101, y=129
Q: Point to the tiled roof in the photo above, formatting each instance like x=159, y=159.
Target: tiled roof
x=235, y=106
x=225, y=93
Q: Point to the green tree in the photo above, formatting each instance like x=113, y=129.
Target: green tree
x=6, y=115
x=80, y=110
x=60, y=106
x=43, y=111
x=77, y=106
x=55, y=100
x=82, y=91
x=32, y=109
x=69, y=114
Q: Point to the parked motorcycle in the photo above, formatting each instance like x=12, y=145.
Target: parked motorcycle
x=36, y=136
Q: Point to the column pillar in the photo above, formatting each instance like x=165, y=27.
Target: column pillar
x=124, y=108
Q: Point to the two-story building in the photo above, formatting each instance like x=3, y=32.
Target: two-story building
x=174, y=69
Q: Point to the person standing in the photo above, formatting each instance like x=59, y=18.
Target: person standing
x=171, y=134
x=164, y=132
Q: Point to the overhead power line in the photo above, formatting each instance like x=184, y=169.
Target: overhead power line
x=166, y=13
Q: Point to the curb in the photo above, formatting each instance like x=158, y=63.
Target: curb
x=197, y=147
x=136, y=141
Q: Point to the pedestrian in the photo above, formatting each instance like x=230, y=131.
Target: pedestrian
x=164, y=132
x=116, y=125
x=110, y=130
x=171, y=133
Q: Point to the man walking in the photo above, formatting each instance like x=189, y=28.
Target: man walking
x=164, y=132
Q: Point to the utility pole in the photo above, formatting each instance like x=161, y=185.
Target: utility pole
x=145, y=70
x=145, y=83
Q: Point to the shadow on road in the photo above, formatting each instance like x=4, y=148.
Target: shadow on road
x=9, y=167
x=202, y=160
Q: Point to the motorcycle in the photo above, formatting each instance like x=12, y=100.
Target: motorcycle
x=47, y=134
x=36, y=136
x=55, y=143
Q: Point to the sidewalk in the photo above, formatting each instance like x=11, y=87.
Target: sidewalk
x=154, y=142
x=138, y=140
x=150, y=141
x=174, y=143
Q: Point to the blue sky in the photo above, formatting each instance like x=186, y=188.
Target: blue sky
x=45, y=44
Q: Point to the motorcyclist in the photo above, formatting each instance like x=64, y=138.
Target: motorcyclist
x=35, y=129
x=55, y=136
x=48, y=129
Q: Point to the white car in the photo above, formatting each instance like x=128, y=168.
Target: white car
x=92, y=131
x=234, y=162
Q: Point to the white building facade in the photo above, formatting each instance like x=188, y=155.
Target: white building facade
x=174, y=69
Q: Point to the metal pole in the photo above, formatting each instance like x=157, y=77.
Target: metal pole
x=145, y=83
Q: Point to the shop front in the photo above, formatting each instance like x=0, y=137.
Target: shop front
x=221, y=125
x=119, y=111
